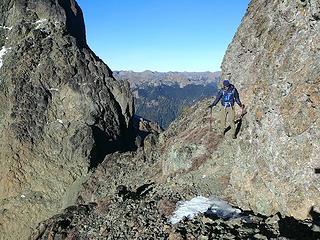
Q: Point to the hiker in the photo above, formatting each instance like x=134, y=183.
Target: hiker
x=228, y=95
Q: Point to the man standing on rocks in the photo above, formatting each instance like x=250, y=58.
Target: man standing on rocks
x=228, y=96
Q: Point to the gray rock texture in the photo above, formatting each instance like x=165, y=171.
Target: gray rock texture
x=129, y=197
x=145, y=216
x=61, y=111
x=48, y=136
x=274, y=60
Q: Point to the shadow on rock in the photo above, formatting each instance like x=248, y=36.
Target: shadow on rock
x=126, y=193
x=294, y=229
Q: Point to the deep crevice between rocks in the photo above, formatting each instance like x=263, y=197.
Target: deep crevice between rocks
x=291, y=228
x=103, y=146
x=74, y=21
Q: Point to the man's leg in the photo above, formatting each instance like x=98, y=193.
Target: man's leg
x=223, y=119
x=231, y=119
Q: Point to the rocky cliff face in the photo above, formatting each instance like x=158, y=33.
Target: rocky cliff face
x=274, y=61
x=61, y=110
x=270, y=168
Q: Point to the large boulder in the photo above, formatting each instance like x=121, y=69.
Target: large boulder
x=274, y=59
x=61, y=111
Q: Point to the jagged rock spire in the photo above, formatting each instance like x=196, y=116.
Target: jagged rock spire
x=61, y=110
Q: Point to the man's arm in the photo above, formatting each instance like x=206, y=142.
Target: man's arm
x=218, y=97
x=237, y=98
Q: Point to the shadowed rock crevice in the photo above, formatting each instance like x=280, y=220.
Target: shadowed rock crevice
x=293, y=229
x=104, y=145
x=74, y=21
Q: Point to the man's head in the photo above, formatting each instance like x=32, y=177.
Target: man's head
x=226, y=84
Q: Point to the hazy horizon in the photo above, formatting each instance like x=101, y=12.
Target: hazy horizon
x=148, y=70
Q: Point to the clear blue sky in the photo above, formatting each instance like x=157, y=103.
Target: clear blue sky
x=162, y=35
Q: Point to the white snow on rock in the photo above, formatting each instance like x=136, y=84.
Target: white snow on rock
x=5, y=27
x=54, y=89
x=60, y=121
x=201, y=204
x=3, y=52
x=40, y=23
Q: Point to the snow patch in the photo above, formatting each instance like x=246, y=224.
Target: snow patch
x=40, y=23
x=3, y=52
x=53, y=89
x=211, y=206
x=5, y=27
x=59, y=121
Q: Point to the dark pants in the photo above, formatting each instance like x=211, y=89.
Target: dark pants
x=227, y=115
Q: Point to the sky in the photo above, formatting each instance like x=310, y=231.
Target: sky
x=162, y=35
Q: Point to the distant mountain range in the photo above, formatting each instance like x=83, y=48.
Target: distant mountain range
x=160, y=96
x=153, y=78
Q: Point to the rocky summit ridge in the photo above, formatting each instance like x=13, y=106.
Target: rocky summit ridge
x=274, y=59
x=61, y=111
x=268, y=172
x=272, y=167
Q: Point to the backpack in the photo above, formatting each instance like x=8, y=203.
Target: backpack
x=228, y=97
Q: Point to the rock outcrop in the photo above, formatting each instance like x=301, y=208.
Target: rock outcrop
x=274, y=61
x=61, y=111
x=144, y=215
x=269, y=169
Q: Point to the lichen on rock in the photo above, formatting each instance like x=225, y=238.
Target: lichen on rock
x=58, y=102
x=273, y=60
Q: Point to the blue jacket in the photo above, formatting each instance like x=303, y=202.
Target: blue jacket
x=220, y=94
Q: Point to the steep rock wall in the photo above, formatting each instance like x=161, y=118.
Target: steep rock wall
x=61, y=110
x=270, y=168
x=274, y=60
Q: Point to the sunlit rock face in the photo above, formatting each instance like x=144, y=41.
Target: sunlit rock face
x=274, y=61
x=58, y=101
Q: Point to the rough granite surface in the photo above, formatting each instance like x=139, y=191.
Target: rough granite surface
x=270, y=169
x=274, y=61
x=58, y=102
